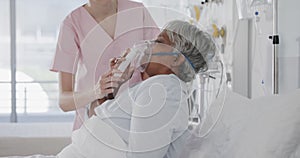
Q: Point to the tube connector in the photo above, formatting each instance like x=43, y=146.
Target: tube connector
x=275, y=39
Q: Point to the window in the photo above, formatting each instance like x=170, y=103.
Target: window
x=5, y=78
x=37, y=27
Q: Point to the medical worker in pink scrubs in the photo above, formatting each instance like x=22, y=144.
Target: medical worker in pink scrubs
x=89, y=37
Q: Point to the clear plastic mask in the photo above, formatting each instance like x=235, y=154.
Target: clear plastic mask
x=143, y=52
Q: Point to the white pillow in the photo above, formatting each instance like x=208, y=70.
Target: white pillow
x=233, y=119
x=267, y=127
x=273, y=131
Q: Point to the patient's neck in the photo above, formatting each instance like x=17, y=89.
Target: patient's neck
x=145, y=75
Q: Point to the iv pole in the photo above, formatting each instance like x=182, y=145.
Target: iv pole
x=275, y=75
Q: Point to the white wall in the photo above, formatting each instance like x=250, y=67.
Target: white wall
x=289, y=50
x=260, y=55
x=166, y=10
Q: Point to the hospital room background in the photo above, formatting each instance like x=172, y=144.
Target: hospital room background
x=246, y=32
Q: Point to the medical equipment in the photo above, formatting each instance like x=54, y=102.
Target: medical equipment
x=275, y=66
x=218, y=32
x=130, y=56
x=141, y=53
x=244, y=9
x=137, y=52
x=136, y=57
x=209, y=87
x=254, y=3
x=195, y=11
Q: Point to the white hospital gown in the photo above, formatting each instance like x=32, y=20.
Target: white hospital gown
x=149, y=119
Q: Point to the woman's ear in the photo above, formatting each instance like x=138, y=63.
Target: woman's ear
x=178, y=61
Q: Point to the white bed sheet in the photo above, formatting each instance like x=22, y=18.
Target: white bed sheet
x=24, y=139
x=267, y=127
x=33, y=156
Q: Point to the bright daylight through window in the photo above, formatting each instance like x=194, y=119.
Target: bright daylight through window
x=37, y=27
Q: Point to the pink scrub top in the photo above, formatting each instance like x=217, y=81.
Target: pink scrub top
x=84, y=48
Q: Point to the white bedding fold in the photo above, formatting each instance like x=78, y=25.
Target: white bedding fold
x=95, y=139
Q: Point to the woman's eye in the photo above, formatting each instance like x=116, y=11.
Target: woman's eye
x=158, y=41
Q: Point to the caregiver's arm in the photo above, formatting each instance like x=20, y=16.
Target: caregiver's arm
x=111, y=80
x=70, y=100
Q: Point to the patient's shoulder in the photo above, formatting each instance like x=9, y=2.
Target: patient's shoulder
x=163, y=79
x=170, y=81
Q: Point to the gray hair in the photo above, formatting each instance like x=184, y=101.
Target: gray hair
x=196, y=45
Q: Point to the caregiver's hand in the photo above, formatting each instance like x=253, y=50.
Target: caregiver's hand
x=108, y=84
x=111, y=81
x=115, y=63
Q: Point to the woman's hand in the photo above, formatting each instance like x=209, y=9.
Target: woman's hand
x=111, y=81
x=108, y=84
x=115, y=63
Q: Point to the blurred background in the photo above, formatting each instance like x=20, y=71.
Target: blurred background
x=37, y=26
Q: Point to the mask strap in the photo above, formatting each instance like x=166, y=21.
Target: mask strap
x=189, y=61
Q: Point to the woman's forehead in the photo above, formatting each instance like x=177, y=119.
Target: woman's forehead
x=162, y=47
x=164, y=38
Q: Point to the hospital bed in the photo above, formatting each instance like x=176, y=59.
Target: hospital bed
x=267, y=127
x=24, y=139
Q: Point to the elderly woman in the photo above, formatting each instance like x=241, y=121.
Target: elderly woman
x=149, y=119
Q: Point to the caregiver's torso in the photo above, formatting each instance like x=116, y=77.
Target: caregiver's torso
x=95, y=56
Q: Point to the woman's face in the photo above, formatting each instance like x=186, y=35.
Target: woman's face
x=160, y=64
